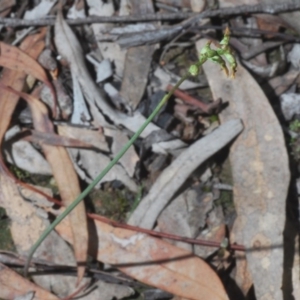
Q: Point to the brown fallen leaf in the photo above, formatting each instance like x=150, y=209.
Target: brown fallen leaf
x=65, y=176
x=152, y=261
x=261, y=176
x=32, y=45
x=13, y=58
x=13, y=285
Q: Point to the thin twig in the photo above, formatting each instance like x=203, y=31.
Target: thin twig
x=94, y=19
x=194, y=17
x=165, y=33
x=207, y=108
x=174, y=237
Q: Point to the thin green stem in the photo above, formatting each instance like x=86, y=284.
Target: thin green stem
x=101, y=175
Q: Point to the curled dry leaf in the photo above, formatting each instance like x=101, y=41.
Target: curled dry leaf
x=32, y=45
x=69, y=47
x=15, y=59
x=261, y=176
x=172, y=178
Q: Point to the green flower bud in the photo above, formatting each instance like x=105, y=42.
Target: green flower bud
x=226, y=38
x=207, y=51
x=222, y=49
x=232, y=63
x=219, y=60
x=194, y=70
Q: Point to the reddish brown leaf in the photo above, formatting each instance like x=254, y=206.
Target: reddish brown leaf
x=15, y=59
x=153, y=261
x=32, y=45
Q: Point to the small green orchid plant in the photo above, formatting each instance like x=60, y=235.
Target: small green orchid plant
x=215, y=55
x=207, y=53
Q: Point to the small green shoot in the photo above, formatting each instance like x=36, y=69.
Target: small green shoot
x=223, y=49
x=213, y=118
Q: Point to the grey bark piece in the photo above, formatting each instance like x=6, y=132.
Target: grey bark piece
x=176, y=174
x=138, y=61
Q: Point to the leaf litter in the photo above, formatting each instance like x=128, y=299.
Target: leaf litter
x=176, y=163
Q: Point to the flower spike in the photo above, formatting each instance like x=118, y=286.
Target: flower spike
x=222, y=49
